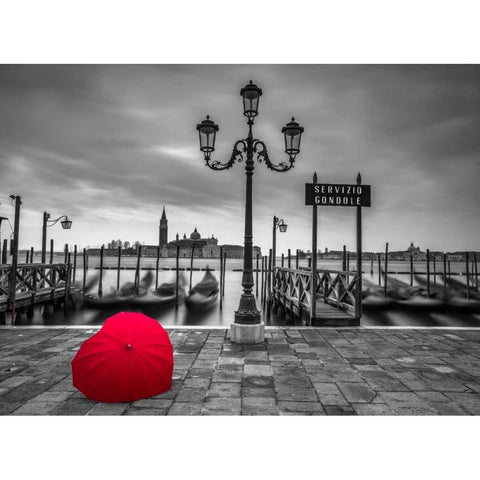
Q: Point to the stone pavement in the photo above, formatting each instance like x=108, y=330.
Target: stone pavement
x=298, y=371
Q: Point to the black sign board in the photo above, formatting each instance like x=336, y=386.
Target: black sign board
x=334, y=195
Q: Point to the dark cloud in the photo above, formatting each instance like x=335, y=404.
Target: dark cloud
x=111, y=144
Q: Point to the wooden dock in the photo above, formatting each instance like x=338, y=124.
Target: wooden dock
x=335, y=298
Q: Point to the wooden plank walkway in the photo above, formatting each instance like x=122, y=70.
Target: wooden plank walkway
x=24, y=299
x=330, y=316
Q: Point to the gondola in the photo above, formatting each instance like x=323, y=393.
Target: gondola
x=204, y=294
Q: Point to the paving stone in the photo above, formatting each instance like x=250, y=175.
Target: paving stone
x=372, y=409
x=152, y=403
x=36, y=408
x=258, y=392
x=6, y=408
x=146, y=411
x=339, y=410
x=227, y=376
x=219, y=389
x=185, y=409
x=15, y=381
x=258, y=371
x=433, y=397
x=75, y=406
x=260, y=382
x=108, y=409
x=223, y=403
x=301, y=407
x=296, y=394
x=186, y=394
x=357, y=392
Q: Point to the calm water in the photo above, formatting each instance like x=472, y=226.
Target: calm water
x=223, y=317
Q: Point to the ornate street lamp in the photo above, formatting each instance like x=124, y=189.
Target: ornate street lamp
x=66, y=225
x=247, y=327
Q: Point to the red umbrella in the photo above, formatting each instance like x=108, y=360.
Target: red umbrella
x=130, y=358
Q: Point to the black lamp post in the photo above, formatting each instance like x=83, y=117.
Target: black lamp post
x=247, y=327
x=66, y=225
x=282, y=226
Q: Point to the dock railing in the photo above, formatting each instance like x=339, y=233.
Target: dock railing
x=292, y=290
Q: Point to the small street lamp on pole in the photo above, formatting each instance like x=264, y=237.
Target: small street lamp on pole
x=247, y=326
x=282, y=226
x=66, y=225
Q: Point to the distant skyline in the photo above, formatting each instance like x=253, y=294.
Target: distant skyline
x=109, y=145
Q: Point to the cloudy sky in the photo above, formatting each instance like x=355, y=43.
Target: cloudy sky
x=110, y=145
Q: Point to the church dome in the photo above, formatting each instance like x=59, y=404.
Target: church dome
x=195, y=235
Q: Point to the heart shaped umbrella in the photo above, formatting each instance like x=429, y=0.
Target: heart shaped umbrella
x=130, y=358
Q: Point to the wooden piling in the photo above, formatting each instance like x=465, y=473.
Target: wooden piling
x=358, y=299
x=386, y=270
x=283, y=260
x=411, y=270
x=224, y=271
x=191, y=264
x=449, y=270
x=100, y=279
x=4, y=251
x=269, y=280
x=31, y=254
x=84, y=264
x=66, y=253
x=156, y=267
x=379, y=271
x=468, y=275
x=256, y=279
x=289, y=259
x=475, y=269
x=137, y=269
x=51, y=250
x=445, y=274
x=428, y=273
x=262, y=285
x=27, y=257
x=74, y=263
x=67, y=283
x=221, y=277
x=434, y=269
x=177, y=276
x=371, y=265
x=119, y=263
x=296, y=261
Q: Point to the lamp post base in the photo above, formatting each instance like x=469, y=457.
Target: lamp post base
x=244, y=333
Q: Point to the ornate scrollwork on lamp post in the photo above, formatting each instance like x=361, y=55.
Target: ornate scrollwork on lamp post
x=247, y=327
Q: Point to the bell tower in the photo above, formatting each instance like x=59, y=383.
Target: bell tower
x=163, y=229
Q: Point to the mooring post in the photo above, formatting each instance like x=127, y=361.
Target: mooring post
x=27, y=257
x=13, y=271
x=476, y=269
x=386, y=270
x=51, y=250
x=66, y=253
x=256, y=279
x=100, y=279
x=31, y=254
x=313, y=270
x=289, y=259
x=411, y=270
x=67, y=283
x=358, y=303
x=221, y=277
x=371, y=265
x=445, y=274
x=177, y=276
x=283, y=261
x=449, y=270
x=191, y=264
x=296, y=260
x=156, y=267
x=84, y=265
x=74, y=263
x=269, y=283
x=261, y=287
x=137, y=269
x=119, y=263
x=468, y=275
x=224, y=272
x=379, y=271
x=428, y=273
x=434, y=269
x=4, y=251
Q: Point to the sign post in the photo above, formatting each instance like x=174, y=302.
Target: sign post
x=313, y=270
x=338, y=195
